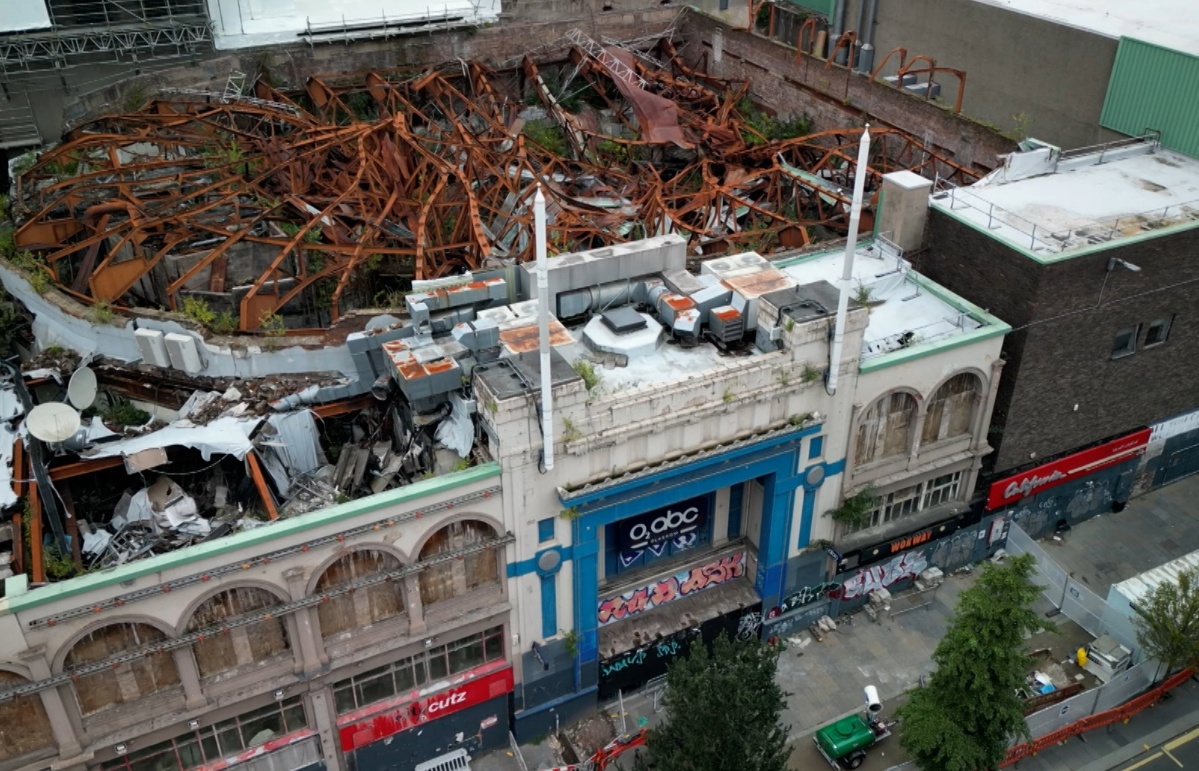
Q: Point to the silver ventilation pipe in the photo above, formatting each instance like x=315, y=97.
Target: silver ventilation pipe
x=543, y=323
x=851, y=244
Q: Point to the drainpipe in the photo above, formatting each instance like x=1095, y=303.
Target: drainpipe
x=838, y=29
x=543, y=322
x=851, y=243
x=857, y=31
x=866, y=35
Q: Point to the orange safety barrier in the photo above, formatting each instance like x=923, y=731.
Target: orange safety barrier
x=1121, y=713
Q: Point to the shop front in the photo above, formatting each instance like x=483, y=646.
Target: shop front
x=464, y=713
x=1072, y=488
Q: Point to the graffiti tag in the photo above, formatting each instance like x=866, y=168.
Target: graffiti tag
x=748, y=626
x=806, y=596
x=881, y=576
x=672, y=588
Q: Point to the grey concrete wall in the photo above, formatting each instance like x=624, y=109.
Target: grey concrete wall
x=1023, y=74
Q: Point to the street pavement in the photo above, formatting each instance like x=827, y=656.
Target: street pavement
x=826, y=678
x=1179, y=752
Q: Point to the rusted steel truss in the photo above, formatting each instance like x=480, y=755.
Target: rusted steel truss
x=293, y=216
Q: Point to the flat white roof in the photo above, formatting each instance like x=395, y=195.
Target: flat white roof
x=1169, y=23
x=1140, y=586
x=1053, y=204
x=903, y=314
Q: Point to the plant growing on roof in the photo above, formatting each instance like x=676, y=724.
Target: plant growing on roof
x=101, y=312
x=570, y=431
x=862, y=294
x=587, y=371
x=811, y=374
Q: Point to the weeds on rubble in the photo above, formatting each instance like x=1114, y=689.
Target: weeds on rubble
x=56, y=565
x=290, y=229
x=362, y=106
x=64, y=167
x=37, y=274
x=135, y=97
x=101, y=312
x=546, y=135
x=587, y=371
x=9, y=325
x=8, y=246
x=763, y=128
x=54, y=349
x=25, y=162
x=612, y=152
x=462, y=464
x=196, y=309
x=862, y=294
x=225, y=323
x=1021, y=121
x=570, y=432
x=857, y=510
x=125, y=414
x=811, y=374
x=272, y=324
x=4, y=207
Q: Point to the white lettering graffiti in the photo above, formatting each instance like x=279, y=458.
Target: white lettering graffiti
x=881, y=576
x=674, y=522
x=1024, y=487
x=445, y=702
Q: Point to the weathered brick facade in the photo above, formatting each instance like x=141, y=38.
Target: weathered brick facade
x=1061, y=388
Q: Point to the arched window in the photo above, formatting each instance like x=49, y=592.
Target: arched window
x=362, y=606
x=127, y=681
x=456, y=577
x=26, y=728
x=241, y=645
x=951, y=410
x=886, y=428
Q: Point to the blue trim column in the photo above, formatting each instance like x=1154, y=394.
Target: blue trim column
x=586, y=571
x=549, y=605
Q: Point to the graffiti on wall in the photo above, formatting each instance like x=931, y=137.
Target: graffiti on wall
x=672, y=588
x=806, y=596
x=632, y=668
x=905, y=566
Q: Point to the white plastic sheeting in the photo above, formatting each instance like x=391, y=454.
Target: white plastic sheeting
x=223, y=436
x=23, y=15
x=8, y=496
x=296, y=441
x=457, y=431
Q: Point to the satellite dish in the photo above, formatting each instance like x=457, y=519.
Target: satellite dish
x=81, y=391
x=53, y=422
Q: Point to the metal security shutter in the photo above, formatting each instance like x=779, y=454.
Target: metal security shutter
x=1149, y=89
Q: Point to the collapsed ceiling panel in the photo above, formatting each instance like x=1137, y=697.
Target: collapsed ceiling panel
x=273, y=210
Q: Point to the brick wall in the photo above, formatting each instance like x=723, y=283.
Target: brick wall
x=293, y=64
x=834, y=97
x=1059, y=353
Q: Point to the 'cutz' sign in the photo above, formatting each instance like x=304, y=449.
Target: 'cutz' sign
x=663, y=525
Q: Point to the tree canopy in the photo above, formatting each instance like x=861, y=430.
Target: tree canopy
x=1168, y=621
x=722, y=712
x=969, y=712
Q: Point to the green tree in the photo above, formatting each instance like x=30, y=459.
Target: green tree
x=1168, y=622
x=970, y=711
x=722, y=712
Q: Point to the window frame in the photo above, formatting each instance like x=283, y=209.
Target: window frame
x=1134, y=333
x=888, y=504
x=1165, y=323
x=423, y=666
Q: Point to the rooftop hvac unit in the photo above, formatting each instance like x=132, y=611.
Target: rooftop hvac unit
x=894, y=80
x=726, y=324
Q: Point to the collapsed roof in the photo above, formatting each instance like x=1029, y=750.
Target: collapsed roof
x=287, y=209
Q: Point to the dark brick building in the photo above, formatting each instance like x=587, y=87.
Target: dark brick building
x=1093, y=258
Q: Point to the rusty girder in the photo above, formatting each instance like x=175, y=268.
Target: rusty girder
x=265, y=212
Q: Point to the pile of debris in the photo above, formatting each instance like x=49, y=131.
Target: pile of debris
x=285, y=209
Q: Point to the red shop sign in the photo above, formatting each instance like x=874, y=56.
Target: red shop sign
x=418, y=711
x=1066, y=469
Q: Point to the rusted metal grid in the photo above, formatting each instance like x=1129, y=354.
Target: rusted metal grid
x=296, y=207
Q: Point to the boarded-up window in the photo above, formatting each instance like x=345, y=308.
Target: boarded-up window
x=457, y=577
x=951, y=410
x=359, y=607
x=24, y=727
x=127, y=681
x=241, y=645
x=885, y=430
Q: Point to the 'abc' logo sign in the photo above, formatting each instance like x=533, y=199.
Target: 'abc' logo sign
x=664, y=526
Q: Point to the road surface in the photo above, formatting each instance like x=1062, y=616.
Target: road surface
x=1180, y=752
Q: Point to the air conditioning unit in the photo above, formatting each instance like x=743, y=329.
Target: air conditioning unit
x=1106, y=658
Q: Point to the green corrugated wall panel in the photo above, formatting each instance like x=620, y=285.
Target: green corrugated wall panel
x=1154, y=87
x=819, y=6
